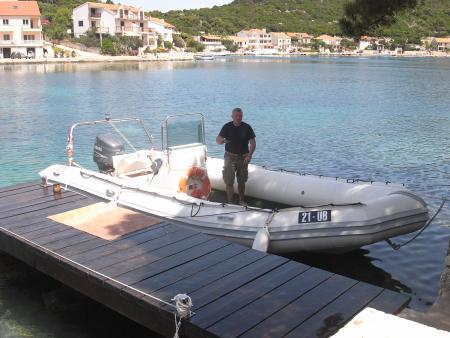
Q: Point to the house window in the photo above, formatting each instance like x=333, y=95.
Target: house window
x=6, y=37
x=92, y=11
x=26, y=22
x=93, y=24
x=6, y=21
x=122, y=23
x=28, y=37
x=126, y=12
x=80, y=23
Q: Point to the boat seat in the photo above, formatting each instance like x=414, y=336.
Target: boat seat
x=132, y=164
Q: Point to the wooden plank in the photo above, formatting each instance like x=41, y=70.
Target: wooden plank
x=53, y=230
x=167, y=263
x=22, y=190
x=389, y=301
x=147, y=313
x=327, y=321
x=252, y=314
x=57, y=236
x=139, y=268
x=31, y=198
x=38, y=216
x=231, y=282
x=214, y=273
x=41, y=207
x=292, y=315
x=131, y=238
x=19, y=186
x=135, y=256
x=68, y=241
x=9, y=202
x=213, y=312
x=190, y=268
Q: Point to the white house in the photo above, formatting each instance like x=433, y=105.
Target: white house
x=258, y=39
x=281, y=41
x=334, y=41
x=212, y=43
x=20, y=29
x=242, y=43
x=162, y=28
x=113, y=19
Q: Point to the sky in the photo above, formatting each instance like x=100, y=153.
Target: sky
x=166, y=5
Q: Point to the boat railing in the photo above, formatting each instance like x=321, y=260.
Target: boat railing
x=107, y=121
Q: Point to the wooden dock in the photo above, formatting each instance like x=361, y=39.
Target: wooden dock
x=236, y=291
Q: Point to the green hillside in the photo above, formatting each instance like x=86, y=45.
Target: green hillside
x=430, y=17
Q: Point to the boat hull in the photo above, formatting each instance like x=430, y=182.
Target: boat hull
x=387, y=212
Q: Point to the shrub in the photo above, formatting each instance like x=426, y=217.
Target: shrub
x=168, y=45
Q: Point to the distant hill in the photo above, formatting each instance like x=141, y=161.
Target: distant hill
x=431, y=17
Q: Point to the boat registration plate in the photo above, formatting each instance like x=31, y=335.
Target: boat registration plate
x=314, y=216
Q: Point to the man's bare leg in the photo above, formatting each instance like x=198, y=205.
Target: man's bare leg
x=230, y=192
x=241, y=189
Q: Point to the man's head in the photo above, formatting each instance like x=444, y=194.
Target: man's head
x=236, y=116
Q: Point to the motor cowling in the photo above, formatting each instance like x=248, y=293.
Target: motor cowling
x=106, y=146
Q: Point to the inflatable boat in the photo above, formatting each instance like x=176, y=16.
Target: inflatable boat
x=313, y=213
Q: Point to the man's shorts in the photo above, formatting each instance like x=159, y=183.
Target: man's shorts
x=234, y=167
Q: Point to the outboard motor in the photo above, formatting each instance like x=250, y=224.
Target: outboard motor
x=106, y=146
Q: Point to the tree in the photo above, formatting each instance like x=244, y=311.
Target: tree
x=230, y=45
x=178, y=41
x=361, y=17
x=61, y=21
x=160, y=40
x=168, y=45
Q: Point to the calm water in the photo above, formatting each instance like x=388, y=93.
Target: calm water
x=379, y=118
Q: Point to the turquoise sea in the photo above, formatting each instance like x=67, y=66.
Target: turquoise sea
x=382, y=119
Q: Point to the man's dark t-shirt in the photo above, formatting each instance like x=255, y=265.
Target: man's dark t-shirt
x=238, y=137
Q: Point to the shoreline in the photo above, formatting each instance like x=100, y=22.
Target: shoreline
x=101, y=58
x=190, y=57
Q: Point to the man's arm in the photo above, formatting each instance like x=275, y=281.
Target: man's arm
x=251, y=150
x=220, y=139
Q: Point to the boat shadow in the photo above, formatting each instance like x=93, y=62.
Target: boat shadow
x=357, y=264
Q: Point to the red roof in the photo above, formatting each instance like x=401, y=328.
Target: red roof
x=19, y=8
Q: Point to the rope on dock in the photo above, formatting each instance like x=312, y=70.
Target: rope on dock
x=397, y=246
x=183, y=304
x=63, y=258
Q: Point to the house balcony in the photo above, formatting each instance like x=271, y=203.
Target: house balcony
x=95, y=15
x=28, y=42
x=6, y=43
x=31, y=29
x=132, y=30
x=6, y=28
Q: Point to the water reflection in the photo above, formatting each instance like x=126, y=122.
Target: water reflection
x=69, y=67
x=357, y=264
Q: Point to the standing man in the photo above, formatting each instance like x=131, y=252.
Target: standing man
x=240, y=144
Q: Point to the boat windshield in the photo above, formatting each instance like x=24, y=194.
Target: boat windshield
x=183, y=131
x=130, y=132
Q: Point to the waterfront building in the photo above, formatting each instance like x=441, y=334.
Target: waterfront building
x=162, y=27
x=299, y=39
x=281, y=41
x=439, y=44
x=212, y=43
x=334, y=41
x=242, y=43
x=113, y=19
x=20, y=29
x=258, y=39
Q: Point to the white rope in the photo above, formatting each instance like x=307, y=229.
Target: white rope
x=183, y=304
